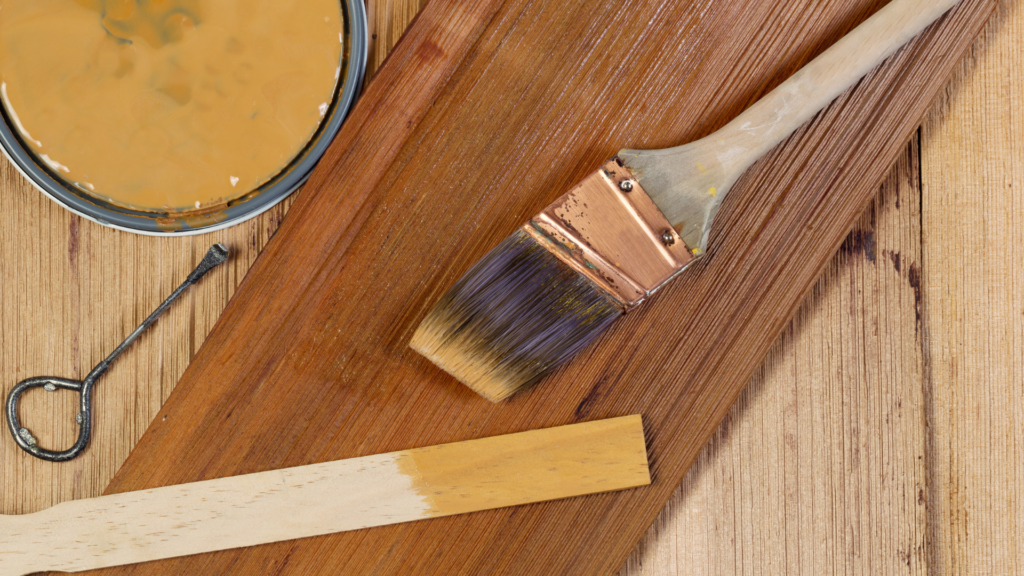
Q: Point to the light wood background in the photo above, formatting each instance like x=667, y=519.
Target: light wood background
x=878, y=437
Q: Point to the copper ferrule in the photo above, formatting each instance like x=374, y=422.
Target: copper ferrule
x=608, y=229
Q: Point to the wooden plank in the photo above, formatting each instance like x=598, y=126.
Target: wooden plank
x=819, y=468
x=973, y=207
x=304, y=501
x=325, y=373
x=71, y=290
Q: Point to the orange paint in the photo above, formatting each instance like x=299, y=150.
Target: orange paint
x=168, y=104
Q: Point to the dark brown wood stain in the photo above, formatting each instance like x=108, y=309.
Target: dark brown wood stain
x=483, y=114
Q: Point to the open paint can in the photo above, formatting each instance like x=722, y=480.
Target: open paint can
x=45, y=172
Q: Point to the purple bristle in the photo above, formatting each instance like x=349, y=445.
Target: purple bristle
x=517, y=314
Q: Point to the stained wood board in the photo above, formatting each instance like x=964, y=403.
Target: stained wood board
x=349, y=404
x=526, y=213
x=331, y=406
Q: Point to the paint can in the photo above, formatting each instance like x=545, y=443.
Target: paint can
x=155, y=223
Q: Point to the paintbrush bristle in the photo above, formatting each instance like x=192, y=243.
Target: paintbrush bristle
x=518, y=313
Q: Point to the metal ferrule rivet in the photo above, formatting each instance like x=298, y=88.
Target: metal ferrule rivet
x=626, y=185
x=668, y=238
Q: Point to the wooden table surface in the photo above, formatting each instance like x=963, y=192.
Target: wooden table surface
x=879, y=436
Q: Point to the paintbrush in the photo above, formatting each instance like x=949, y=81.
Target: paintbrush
x=625, y=231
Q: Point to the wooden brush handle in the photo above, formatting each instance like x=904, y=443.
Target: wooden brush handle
x=325, y=498
x=774, y=117
x=688, y=182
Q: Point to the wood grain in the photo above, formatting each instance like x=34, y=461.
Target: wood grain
x=387, y=21
x=820, y=466
x=274, y=401
x=973, y=207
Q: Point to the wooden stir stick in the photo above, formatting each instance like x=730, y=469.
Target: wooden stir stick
x=330, y=497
